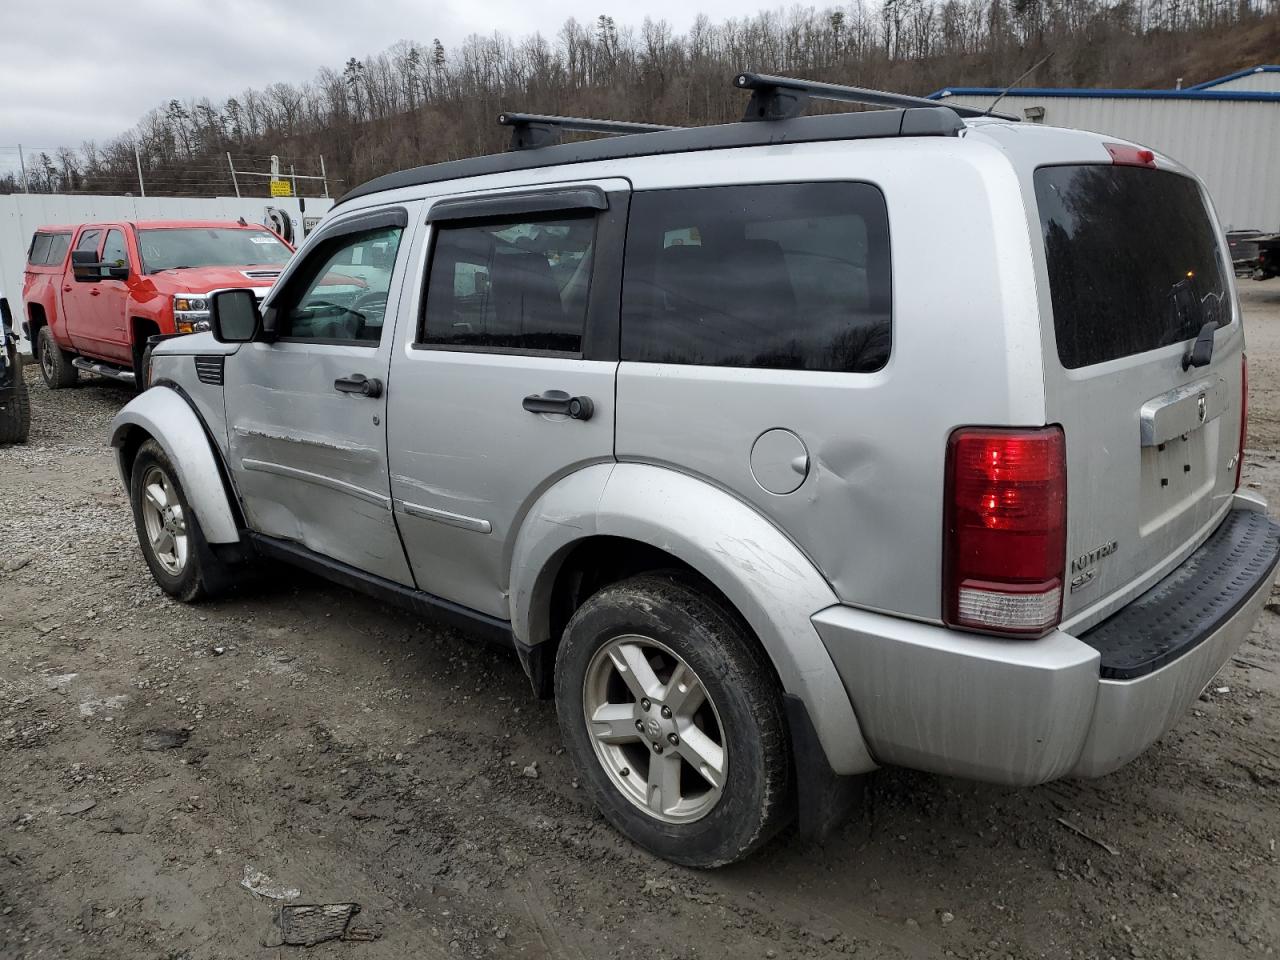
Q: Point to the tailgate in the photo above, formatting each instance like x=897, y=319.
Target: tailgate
x=1136, y=271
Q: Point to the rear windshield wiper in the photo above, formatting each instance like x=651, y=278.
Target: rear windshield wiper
x=1202, y=351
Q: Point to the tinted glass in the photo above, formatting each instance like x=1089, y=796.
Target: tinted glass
x=343, y=289
x=515, y=286
x=786, y=276
x=173, y=249
x=89, y=240
x=114, y=251
x=1133, y=260
x=59, y=243
x=39, y=254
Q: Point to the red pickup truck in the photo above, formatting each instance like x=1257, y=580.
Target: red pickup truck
x=95, y=293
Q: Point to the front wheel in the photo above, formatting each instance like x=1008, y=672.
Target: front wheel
x=15, y=416
x=168, y=532
x=673, y=717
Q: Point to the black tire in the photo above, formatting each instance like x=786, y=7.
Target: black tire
x=55, y=365
x=756, y=797
x=202, y=575
x=142, y=372
x=15, y=416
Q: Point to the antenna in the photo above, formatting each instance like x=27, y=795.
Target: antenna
x=1005, y=92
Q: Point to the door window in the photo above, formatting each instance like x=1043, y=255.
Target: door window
x=343, y=289
x=511, y=286
x=39, y=254
x=791, y=276
x=114, y=251
x=89, y=240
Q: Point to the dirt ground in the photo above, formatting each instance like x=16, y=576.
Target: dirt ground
x=355, y=754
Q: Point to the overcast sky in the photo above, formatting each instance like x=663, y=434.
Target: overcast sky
x=72, y=70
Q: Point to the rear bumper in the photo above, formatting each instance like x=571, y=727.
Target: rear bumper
x=1024, y=712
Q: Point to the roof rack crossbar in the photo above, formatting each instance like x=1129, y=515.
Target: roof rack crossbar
x=530, y=130
x=782, y=98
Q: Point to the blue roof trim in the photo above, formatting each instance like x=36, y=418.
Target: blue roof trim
x=1261, y=68
x=1099, y=93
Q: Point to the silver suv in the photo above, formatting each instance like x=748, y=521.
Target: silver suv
x=778, y=450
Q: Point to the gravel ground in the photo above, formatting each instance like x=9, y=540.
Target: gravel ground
x=152, y=753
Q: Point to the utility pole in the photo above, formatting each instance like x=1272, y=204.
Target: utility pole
x=293, y=175
x=234, y=182
x=275, y=167
x=323, y=176
x=137, y=157
x=22, y=164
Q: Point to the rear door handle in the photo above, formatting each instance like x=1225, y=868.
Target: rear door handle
x=95, y=292
x=557, y=401
x=360, y=385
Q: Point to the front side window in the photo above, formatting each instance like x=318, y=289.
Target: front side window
x=511, y=286
x=783, y=276
x=173, y=248
x=343, y=289
x=88, y=240
x=114, y=251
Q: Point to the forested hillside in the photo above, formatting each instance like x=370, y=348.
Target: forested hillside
x=418, y=102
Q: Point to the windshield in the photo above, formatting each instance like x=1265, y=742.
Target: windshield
x=1133, y=259
x=169, y=249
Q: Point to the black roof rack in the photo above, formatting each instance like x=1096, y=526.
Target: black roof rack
x=779, y=100
x=783, y=98
x=530, y=130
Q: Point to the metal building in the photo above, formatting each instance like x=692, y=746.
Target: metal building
x=1226, y=130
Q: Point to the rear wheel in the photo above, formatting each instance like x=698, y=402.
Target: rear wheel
x=168, y=532
x=15, y=416
x=55, y=365
x=673, y=718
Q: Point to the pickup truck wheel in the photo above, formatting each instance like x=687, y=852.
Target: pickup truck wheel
x=673, y=718
x=55, y=365
x=15, y=416
x=168, y=532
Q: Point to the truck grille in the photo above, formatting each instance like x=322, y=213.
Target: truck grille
x=209, y=370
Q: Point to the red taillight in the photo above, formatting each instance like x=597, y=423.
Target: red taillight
x=1005, y=529
x=1129, y=156
x=1244, y=414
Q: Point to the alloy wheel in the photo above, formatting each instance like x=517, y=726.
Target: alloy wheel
x=164, y=521
x=655, y=729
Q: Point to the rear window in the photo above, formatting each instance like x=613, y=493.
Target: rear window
x=788, y=276
x=1133, y=260
x=48, y=249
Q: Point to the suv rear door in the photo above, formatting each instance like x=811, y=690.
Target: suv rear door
x=1135, y=269
x=517, y=316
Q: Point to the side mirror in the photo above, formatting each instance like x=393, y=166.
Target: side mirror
x=85, y=266
x=234, y=316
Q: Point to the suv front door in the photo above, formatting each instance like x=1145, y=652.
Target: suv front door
x=517, y=307
x=307, y=409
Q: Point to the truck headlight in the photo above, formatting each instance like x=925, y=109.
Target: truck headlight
x=191, y=312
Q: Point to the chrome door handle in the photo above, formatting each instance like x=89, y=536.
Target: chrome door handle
x=360, y=385
x=557, y=401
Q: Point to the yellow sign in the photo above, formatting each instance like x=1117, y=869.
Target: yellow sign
x=280, y=188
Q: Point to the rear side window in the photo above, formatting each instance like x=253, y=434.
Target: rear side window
x=39, y=254
x=48, y=249
x=511, y=285
x=783, y=276
x=58, y=245
x=1133, y=260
